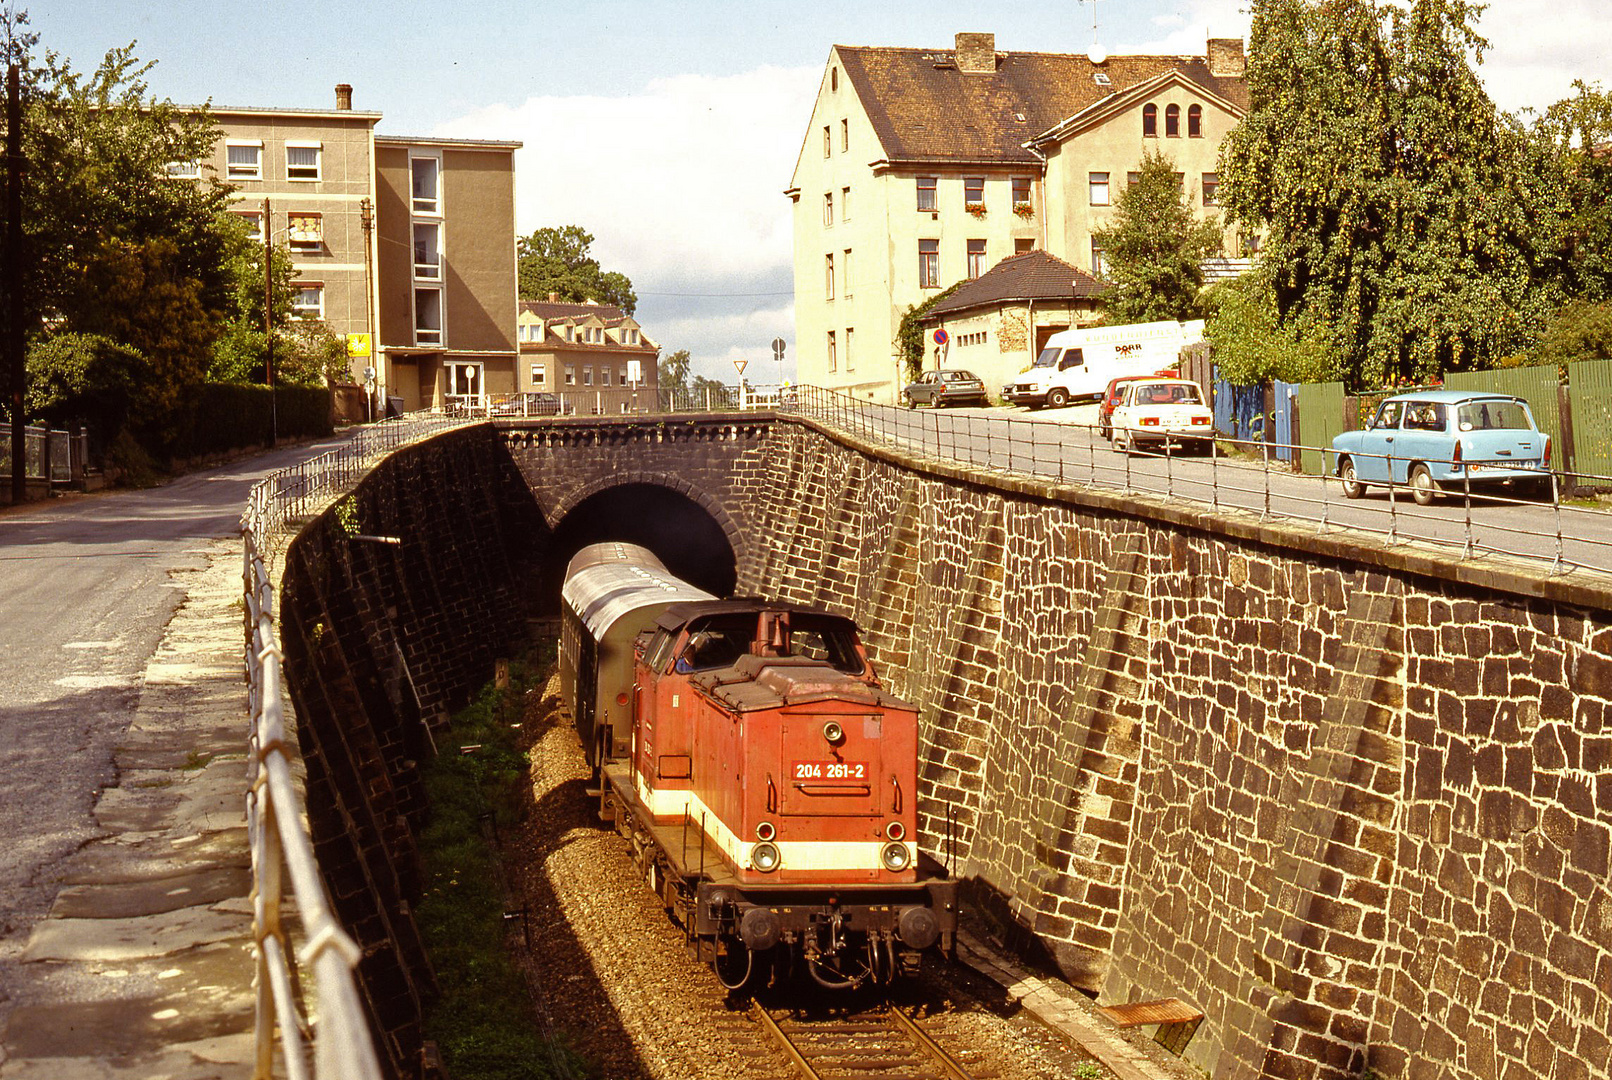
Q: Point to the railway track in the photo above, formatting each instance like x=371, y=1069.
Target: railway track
x=886, y=1044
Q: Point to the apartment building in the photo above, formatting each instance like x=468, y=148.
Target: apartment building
x=404, y=246
x=924, y=167
x=593, y=356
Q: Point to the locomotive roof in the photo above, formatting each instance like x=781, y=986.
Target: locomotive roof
x=758, y=683
x=681, y=613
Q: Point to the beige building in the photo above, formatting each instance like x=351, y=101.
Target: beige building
x=406, y=247
x=997, y=324
x=593, y=357
x=924, y=167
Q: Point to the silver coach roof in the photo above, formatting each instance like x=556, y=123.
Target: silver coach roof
x=604, y=582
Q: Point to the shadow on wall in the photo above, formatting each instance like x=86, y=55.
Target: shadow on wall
x=676, y=528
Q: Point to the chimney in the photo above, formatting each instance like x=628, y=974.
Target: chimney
x=344, y=95
x=1226, y=58
x=977, y=53
x=554, y=298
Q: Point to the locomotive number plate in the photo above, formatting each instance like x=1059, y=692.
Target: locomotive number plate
x=830, y=770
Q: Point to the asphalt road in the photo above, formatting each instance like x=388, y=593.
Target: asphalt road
x=84, y=598
x=1063, y=443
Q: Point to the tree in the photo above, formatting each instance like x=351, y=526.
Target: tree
x=557, y=261
x=1155, y=248
x=1387, y=184
x=1580, y=331
x=909, y=341
x=240, y=354
x=1569, y=167
x=672, y=373
x=1250, y=347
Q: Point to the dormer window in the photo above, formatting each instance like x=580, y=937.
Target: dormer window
x=1150, y=121
x=1101, y=78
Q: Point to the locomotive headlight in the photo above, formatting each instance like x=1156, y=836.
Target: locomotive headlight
x=833, y=732
x=764, y=857
x=895, y=857
x=765, y=831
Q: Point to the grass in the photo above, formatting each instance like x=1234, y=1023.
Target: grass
x=483, y=1021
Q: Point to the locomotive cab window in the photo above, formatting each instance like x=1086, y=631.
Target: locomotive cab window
x=828, y=639
x=659, y=652
x=716, y=641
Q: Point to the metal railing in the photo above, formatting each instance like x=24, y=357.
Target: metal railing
x=341, y=1044
x=1488, y=521
x=65, y=452
x=628, y=401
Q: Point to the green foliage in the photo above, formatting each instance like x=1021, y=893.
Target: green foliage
x=672, y=373
x=699, y=386
x=557, y=261
x=215, y=418
x=1569, y=172
x=1155, y=248
x=1388, y=185
x=1251, y=347
x=482, y=1020
x=1580, y=331
x=909, y=341
x=83, y=377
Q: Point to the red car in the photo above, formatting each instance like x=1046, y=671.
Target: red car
x=1110, y=398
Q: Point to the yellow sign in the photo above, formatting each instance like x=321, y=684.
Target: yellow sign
x=357, y=345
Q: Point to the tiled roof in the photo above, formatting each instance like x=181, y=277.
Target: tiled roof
x=544, y=309
x=923, y=108
x=1035, y=275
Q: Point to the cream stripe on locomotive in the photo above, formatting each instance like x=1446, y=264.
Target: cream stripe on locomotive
x=795, y=854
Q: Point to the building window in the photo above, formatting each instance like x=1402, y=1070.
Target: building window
x=1150, y=121
x=833, y=355
x=306, y=231
x=1211, y=189
x=540, y=375
x=254, y=223
x=1099, y=261
x=845, y=135
x=1172, y=122
x=974, y=191
x=428, y=250
x=570, y=374
x=423, y=177
x=1195, y=122
x=184, y=170
x=929, y=264
x=828, y=208
x=1021, y=191
x=1132, y=179
x=845, y=204
x=850, y=355
x=621, y=377
x=587, y=374
x=828, y=141
x=428, y=316
x=845, y=273
x=1098, y=182
x=833, y=78
x=828, y=277
x=243, y=160
x=302, y=160
x=308, y=300
x=976, y=258
x=926, y=193
x=1023, y=245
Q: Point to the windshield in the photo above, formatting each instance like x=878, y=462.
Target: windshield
x=1167, y=394
x=1048, y=358
x=1487, y=415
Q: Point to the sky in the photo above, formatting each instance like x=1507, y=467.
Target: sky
x=669, y=129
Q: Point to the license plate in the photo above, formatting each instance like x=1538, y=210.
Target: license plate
x=1502, y=466
x=830, y=770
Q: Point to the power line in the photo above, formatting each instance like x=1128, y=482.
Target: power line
x=713, y=295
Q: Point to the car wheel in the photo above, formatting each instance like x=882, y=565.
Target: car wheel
x=1423, y=489
x=1118, y=443
x=1057, y=397
x=912, y=402
x=1352, y=488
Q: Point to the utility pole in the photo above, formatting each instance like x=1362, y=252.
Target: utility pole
x=268, y=317
x=13, y=286
x=366, y=211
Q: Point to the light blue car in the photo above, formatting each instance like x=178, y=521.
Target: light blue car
x=1448, y=441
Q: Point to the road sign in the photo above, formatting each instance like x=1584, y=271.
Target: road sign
x=778, y=348
x=357, y=345
x=941, y=337
x=739, y=365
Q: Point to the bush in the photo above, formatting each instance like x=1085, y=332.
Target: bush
x=215, y=418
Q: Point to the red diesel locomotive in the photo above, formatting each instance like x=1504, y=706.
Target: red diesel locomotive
x=767, y=782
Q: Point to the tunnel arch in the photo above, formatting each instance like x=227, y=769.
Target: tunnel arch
x=691, y=534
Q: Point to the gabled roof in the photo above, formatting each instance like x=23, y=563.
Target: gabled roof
x=1130, y=97
x=545, y=309
x=924, y=108
x=1035, y=275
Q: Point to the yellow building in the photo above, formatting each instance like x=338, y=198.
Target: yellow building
x=592, y=358
x=924, y=167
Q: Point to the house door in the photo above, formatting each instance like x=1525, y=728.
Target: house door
x=465, y=385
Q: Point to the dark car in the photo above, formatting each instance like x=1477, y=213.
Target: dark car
x=1110, y=398
x=531, y=403
x=937, y=388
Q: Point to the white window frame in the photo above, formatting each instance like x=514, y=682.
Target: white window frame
x=539, y=374
x=845, y=274
x=828, y=276
x=928, y=264
x=570, y=375
x=431, y=207
x=432, y=273
x=976, y=259
x=318, y=149
x=254, y=218
x=303, y=311
x=1094, y=186
x=833, y=352
x=850, y=356
x=587, y=374
x=845, y=203
x=303, y=243
x=233, y=171
x=184, y=170
x=424, y=335
x=828, y=209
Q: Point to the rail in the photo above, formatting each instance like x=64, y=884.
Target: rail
x=339, y=1045
x=1473, y=519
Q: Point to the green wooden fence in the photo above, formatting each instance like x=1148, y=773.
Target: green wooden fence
x=1589, y=400
x=1320, y=418
x=1536, y=385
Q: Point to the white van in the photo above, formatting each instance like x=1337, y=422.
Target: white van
x=1079, y=363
